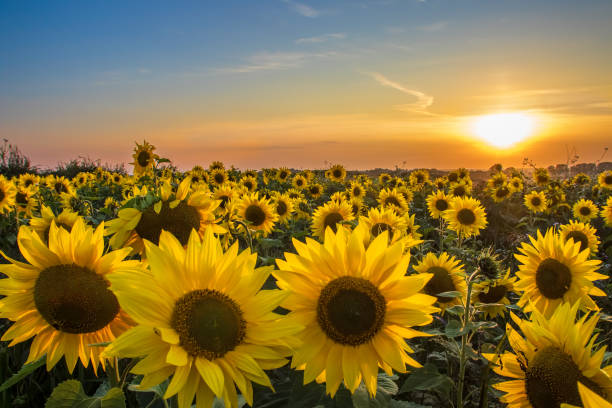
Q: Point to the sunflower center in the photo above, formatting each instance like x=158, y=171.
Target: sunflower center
x=248, y=185
x=453, y=177
x=281, y=208
x=255, y=215
x=351, y=310
x=299, y=182
x=494, y=295
x=553, y=278
x=392, y=201
x=420, y=178
x=219, y=178
x=314, y=190
x=578, y=236
x=542, y=179
x=441, y=205
x=502, y=192
x=224, y=199
x=28, y=183
x=60, y=188
x=209, y=323
x=20, y=198
x=179, y=220
x=459, y=191
x=356, y=191
x=585, y=211
x=331, y=220
x=552, y=379
x=535, y=201
x=608, y=179
x=74, y=299
x=498, y=182
x=378, y=228
x=337, y=173
x=440, y=282
x=466, y=216
x=143, y=159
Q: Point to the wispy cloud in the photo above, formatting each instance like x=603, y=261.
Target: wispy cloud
x=275, y=60
x=434, y=27
x=423, y=101
x=321, y=38
x=303, y=9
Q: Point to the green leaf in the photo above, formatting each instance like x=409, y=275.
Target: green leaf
x=23, y=372
x=427, y=378
x=450, y=294
x=163, y=160
x=453, y=329
x=70, y=394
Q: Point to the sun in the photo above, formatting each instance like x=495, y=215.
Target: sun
x=503, y=129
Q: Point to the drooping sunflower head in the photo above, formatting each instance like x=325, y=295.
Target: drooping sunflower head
x=392, y=198
x=207, y=324
x=580, y=232
x=488, y=263
x=465, y=216
x=605, y=179
x=556, y=354
x=257, y=212
x=302, y=209
x=553, y=271
x=144, y=158
x=61, y=297
x=337, y=173
x=412, y=227
x=437, y=203
x=333, y=215
x=491, y=295
x=452, y=177
x=357, y=207
x=357, y=310
x=585, y=210
x=447, y=276
x=536, y=201
x=224, y=193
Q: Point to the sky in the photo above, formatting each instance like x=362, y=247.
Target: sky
x=302, y=84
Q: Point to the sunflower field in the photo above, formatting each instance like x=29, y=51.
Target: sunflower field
x=276, y=288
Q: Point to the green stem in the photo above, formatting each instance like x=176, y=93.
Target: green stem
x=441, y=234
x=248, y=234
x=464, y=339
x=484, y=388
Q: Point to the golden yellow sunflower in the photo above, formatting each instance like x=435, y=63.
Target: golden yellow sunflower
x=536, y=201
x=465, y=216
x=392, y=198
x=177, y=213
x=59, y=185
x=207, y=323
x=437, y=203
x=25, y=201
x=216, y=165
x=7, y=194
x=357, y=307
x=500, y=193
x=553, y=271
x=72, y=201
x=249, y=183
x=258, y=212
x=384, y=178
x=412, y=227
x=356, y=190
x=605, y=179
x=384, y=219
x=29, y=180
x=448, y=276
x=81, y=179
x=224, y=193
x=302, y=209
x=218, y=177
x=315, y=190
x=589, y=398
x=440, y=183
x=581, y=232
x=283, y=206
x=497, y=180
x=337, y=173
x=144, y=158
x=418, y=178
x=357, y=207
x=117, y=178
x=329, y=215
x=606, y=212
x=490, y=296
x=283, y=174
x=198, y=177
x=460, y=189
x=61, y=296
x=541, y=176
x=556, y=353
x=66, y=219
x=111, y=204
x=581, y=179
x=406, y=193
x=299, y=181
x=515, y=184
x=585, y=210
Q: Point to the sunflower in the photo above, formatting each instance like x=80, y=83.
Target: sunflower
x=258, y=212
x=541, y=176
x=384, y=178
x=329, y=215
x=590, y=399
x=225, y=193
x=41, y=225
x=460, y=189
x=605, y=179
x=81, y=179
x=357, y=207
x=437, y=203
x=24, y=200
x=440, y=183
x=283, y=207
x=407, y=193
x=144, y=158
x=59, y=185
x=249, y=183
x=580, y=232
x=546, y=365
x=606, y=212
x=581, y=179
x=357, y=191
x=497, y=180
x=448, y=276
x=28, y=180
x=340, y=196
x=384, y=219
x=490, y=296
x=283, y=174
x=299, y=181
x=553, y=271
x=464, y=174
x=7, y=194
x=251, y=173
x=357, y=307
x=111, y=204
x=465, y=216
x=585, y=210
x=418, y=178
x=337, y=173
x=536, y=201
x=199, y=177
x=411, y=227
x=302, y=209
x=72, y=201
x=216, y=165
x=177, y=213
x=315, y=190
x=500, y=193
x=295, y=194
x=515, y=184
x=61, y=296
x=391, y=198
x=117, y=178
x=452, y=177
x=218, y=177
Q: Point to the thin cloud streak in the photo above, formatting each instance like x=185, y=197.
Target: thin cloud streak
x=321, y=38
x=303, y=9
x=433, y=27
x=275, y=61
x=423, y=101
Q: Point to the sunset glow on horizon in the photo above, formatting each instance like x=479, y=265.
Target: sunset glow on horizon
x=301, y=83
